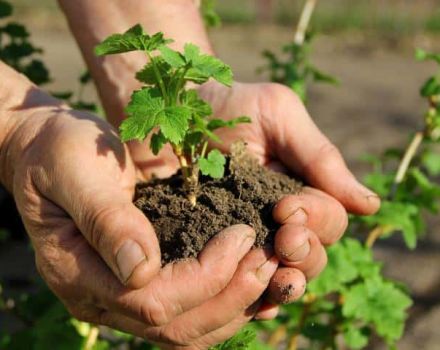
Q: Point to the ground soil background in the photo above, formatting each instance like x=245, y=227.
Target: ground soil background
x=375, y=107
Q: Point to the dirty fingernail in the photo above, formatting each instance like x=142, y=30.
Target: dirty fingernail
x=374, y=199
x=266, y=271
x=299, y=253
x=128, y=257
x=298, y=217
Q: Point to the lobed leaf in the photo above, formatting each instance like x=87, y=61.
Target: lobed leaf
x=241, y=341
x=205, y=66
x=143, y=114
x=220, y=123
x=378, y=302
x=213, y=165
x=133, y=39
x=422, y=55
x=173, y=58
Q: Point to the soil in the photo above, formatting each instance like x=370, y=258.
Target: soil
x=245, y=195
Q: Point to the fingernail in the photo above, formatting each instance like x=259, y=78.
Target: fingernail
x=129, y=256
x=298, y=217
x=248, y=241
x=374, y=199
x=265, y=272
x=299, y=253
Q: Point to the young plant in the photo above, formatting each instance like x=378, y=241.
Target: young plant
x=168, y=111
x=295, y=70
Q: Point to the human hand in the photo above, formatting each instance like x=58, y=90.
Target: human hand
x=73, y=182
x=283, y=137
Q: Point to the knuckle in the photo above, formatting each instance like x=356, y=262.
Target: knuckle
x=155, y=313
x=175, y=336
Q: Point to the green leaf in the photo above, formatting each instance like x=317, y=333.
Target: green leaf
x=157, y=142
x=204, y=67
x=15, y=30
x=356, y=338
x=174, y=123
x=380, y=303
x=220, y=123
x=191, y=100
x=210, y=16
x=213, y=165
x=379, y=182
x=148, y=76
x=85, y=78
x=431, y=87
x=397, y=216
x=144, y=112
x=5, y=9
x=173, y=58
x=132, y=40
x=422, y=55
x=147, y=110
x=347, y=261
x=431, y=161
x=37, y=72
x=241, y=341
x=322, y=77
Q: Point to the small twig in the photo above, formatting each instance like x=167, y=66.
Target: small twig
x=277, y=337
x=304, y=21
x=91, y=338
x=308, y=301
x=408, y=157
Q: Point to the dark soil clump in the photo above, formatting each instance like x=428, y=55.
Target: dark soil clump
x=245, y=195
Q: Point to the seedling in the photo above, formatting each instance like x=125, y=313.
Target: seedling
x=168, y=111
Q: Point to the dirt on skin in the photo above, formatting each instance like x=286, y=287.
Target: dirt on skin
x=245, y=195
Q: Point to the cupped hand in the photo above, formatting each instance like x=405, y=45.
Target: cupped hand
x=73, y=182
x=284, y=137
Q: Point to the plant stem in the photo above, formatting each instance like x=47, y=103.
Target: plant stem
x=91, y=338
x=277, y=337
x=158, y=77
x=190, y=174
x=408, y=157
x=374, y=235
x=308, y=301
x=304, y=21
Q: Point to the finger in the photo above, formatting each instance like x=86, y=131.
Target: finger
x=312, y=263
x=121, y=234
x=315, y=209
x=287, y=285
x=267, y=311
x=245, y=288
x=187, y=284
x=94, y=184
x=319, y=161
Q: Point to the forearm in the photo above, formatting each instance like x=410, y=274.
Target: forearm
x=19, y=99
x=92, y=21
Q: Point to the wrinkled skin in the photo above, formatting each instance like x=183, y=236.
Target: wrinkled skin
x=283, y=137
x=73, y=182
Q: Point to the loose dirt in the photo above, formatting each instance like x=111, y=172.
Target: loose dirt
x=245, y=195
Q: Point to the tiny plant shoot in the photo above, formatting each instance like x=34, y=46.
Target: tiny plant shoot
x=169, y=111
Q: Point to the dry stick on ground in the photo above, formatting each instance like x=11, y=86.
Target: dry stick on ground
x=92, y=337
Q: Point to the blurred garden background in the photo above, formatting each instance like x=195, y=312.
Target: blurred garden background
x=367, y=44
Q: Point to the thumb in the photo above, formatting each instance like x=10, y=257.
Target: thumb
x=302, y=147
x=122, y=235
